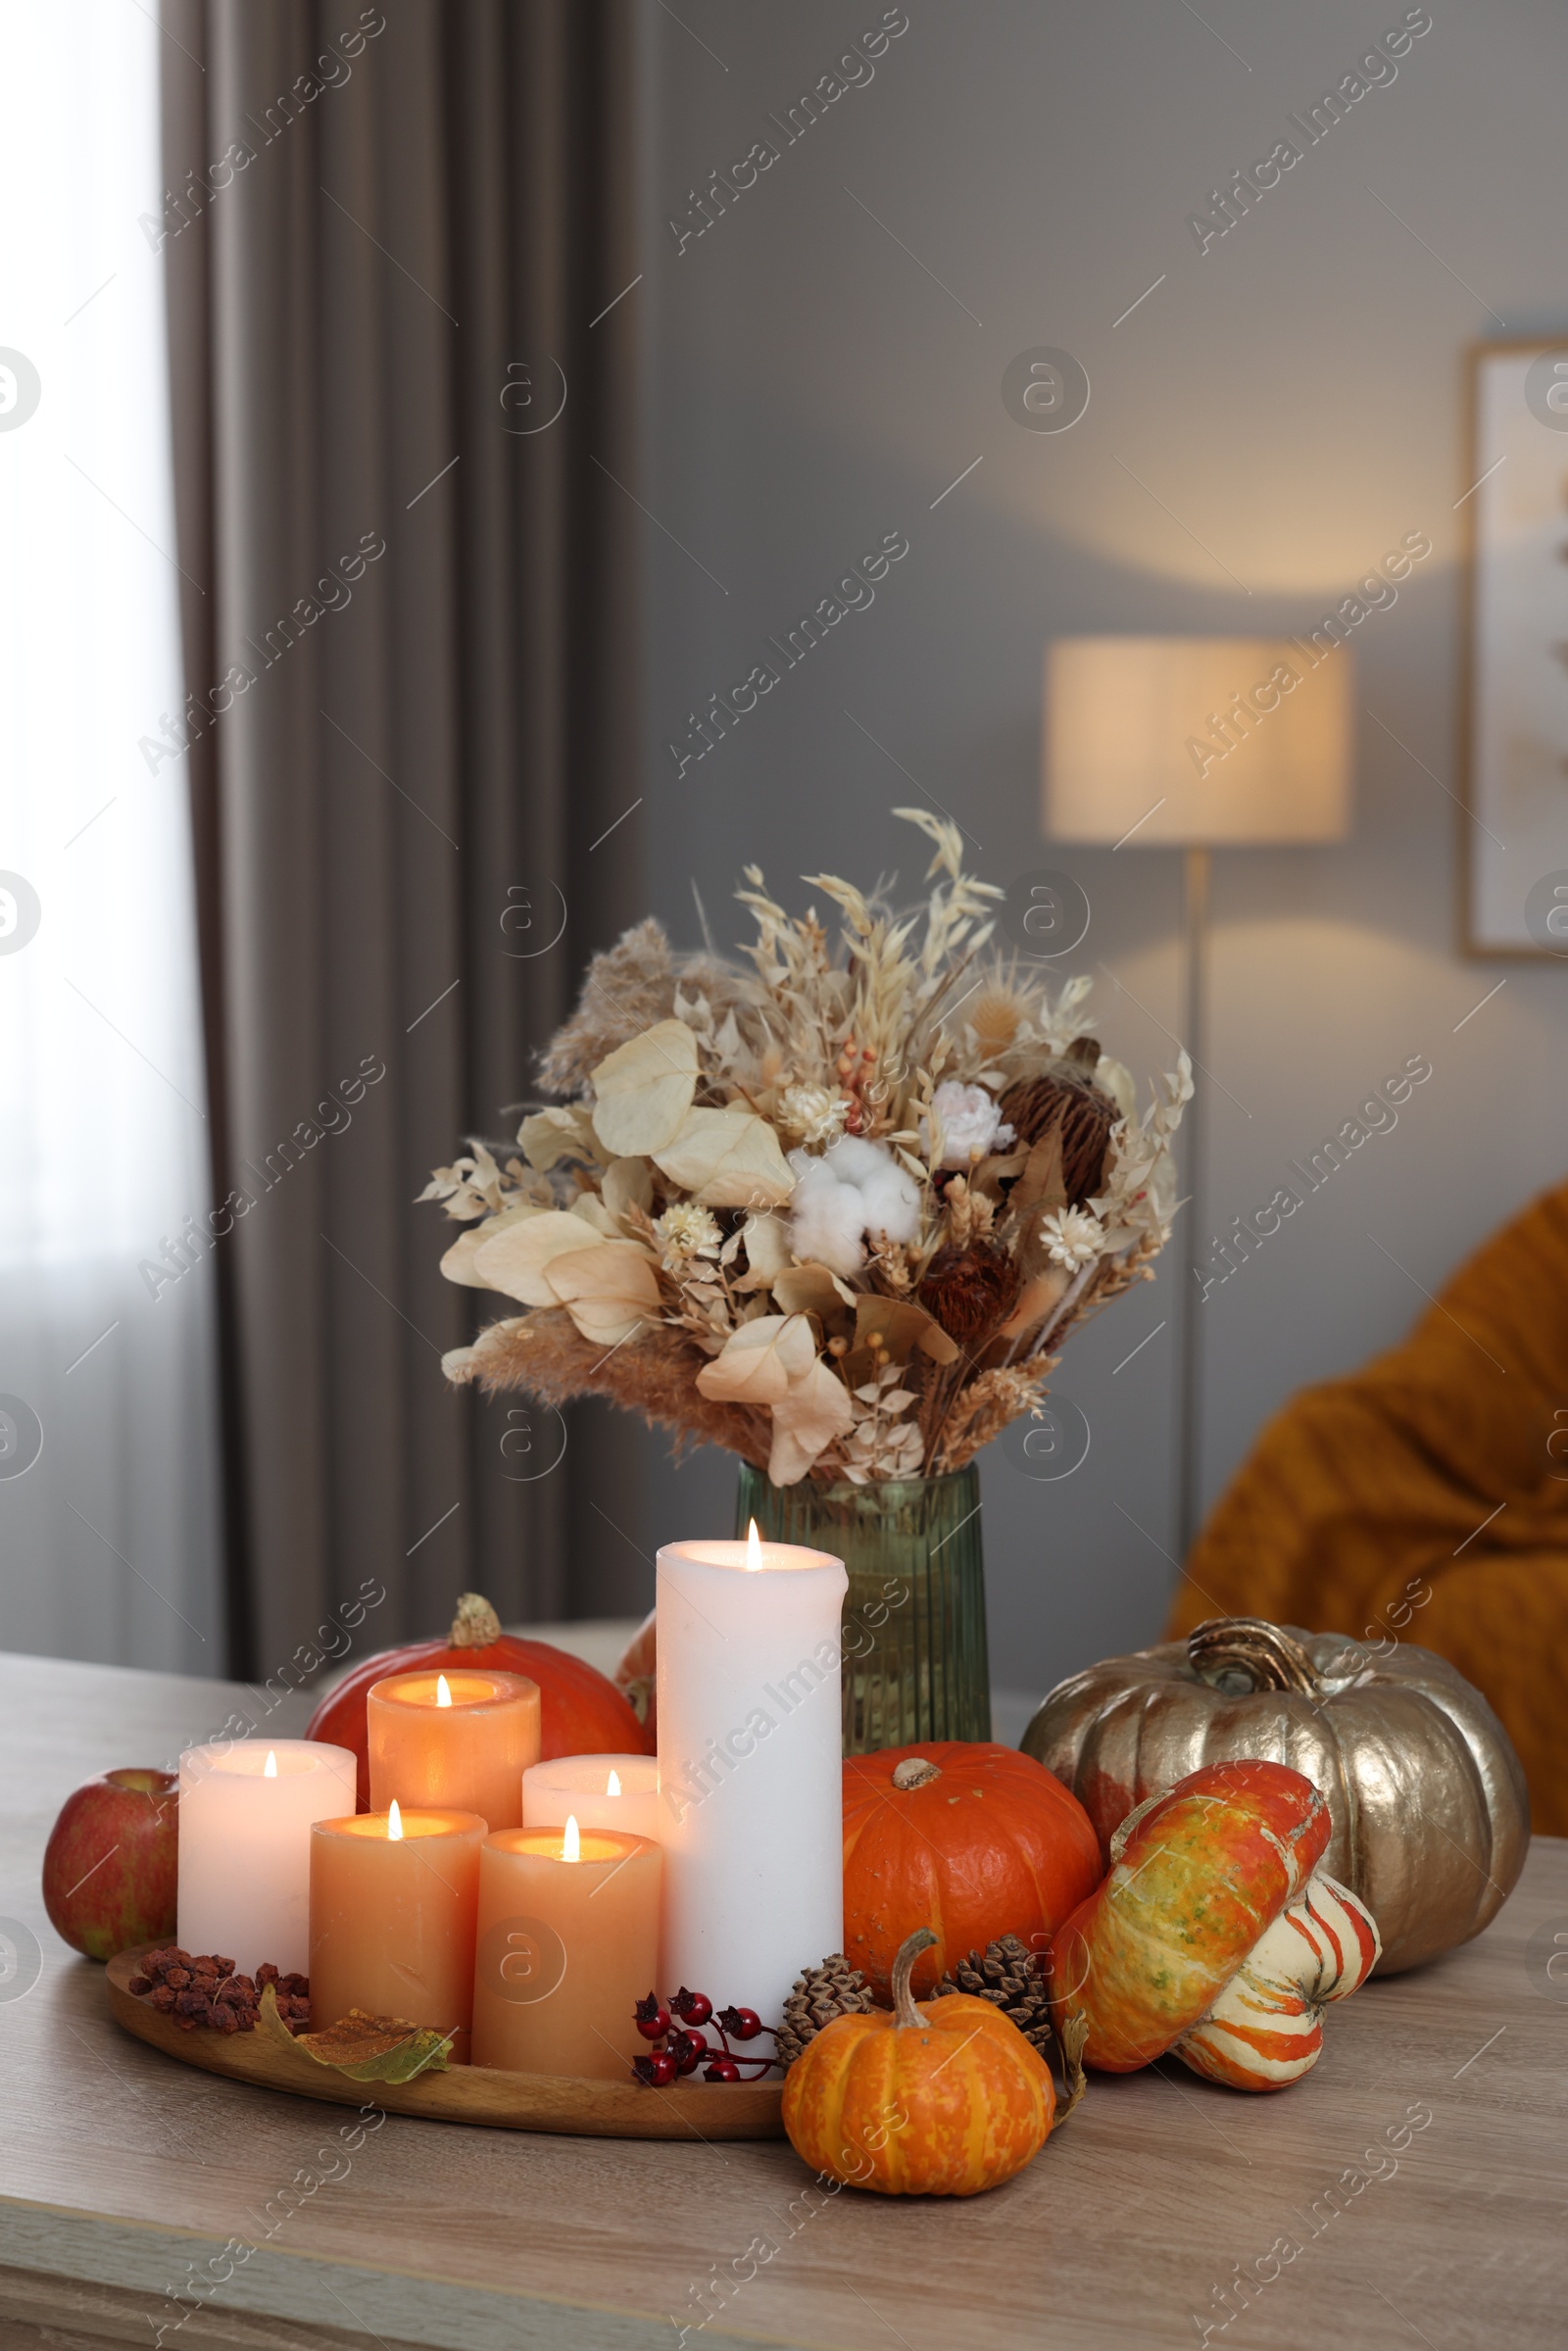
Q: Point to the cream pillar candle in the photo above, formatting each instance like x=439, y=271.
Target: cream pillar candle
x=751, y=1802
x=246, y=1812
x=578, y=1786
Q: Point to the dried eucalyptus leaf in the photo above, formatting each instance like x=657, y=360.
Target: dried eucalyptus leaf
x=761, y=1361
x=902, y=1326
x=644, y=1089
x=727, y=1159
x=458, y=1264
x=608, y=1290
x=514, y=1261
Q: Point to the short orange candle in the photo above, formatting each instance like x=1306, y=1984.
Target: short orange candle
x=567, y=1945
x=393, y=1904
x=458, y=1742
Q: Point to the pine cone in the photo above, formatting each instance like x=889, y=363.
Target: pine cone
x=969, y=1290
x=835, y=1988
x=1086, y=1117
x=1006, y=1974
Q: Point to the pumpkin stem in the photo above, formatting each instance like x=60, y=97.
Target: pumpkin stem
x=915, y=1771
x=905, y=2011
x=1264, y=1655
x=475, y=1625
x=1071, y=2035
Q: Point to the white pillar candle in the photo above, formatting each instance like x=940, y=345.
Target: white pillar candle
x=578, y=1786
x=751, y=1804
x=245, y=1818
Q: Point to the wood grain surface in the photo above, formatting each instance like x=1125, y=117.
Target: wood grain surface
x=463, y=2093
x=121, y=2172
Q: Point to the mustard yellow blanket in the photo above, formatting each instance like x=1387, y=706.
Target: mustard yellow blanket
x=1426, y=1498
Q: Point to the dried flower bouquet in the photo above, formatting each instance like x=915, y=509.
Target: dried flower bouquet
x=832, y=1211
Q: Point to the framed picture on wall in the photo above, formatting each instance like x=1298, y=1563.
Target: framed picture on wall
x=1516, y=707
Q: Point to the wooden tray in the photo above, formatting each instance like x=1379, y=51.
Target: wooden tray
x=466, y=2093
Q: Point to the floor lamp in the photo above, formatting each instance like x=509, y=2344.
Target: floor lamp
x=1196, y=743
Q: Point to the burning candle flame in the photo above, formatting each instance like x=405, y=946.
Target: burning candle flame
x=394, y=1824
x=569, y=1843
x=754, y=1550
x=443, y=1695
x=269, y=1767
x=613, y=1785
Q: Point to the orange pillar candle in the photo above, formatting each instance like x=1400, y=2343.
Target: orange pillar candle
x=458, y=1742
x=567, y=1945
x=393, y=1904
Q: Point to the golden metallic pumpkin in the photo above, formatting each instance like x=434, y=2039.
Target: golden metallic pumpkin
x=1429, y=1805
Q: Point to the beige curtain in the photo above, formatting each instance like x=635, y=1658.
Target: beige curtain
x=409, y=614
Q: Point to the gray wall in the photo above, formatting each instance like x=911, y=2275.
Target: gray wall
x=1291, y=403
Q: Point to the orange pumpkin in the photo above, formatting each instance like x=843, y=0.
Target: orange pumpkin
x=581, y=1712
x=971, y=1839
x=940, y=2100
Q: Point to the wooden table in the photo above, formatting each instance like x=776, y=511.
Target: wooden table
x=123, y=2175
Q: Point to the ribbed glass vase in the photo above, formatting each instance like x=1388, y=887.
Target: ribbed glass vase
x=915, y=1665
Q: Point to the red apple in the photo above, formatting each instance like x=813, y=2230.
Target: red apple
x=110, y=1866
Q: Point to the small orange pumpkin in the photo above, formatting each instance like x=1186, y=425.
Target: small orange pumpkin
x=973, y=1839
x=939, y=2100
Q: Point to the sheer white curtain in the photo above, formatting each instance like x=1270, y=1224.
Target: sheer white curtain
x=108, y=1447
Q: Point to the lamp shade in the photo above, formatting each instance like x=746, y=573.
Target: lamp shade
x=1197, y=741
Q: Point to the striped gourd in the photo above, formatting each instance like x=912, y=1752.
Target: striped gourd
x=1266, y=2027
x=1216, y=1936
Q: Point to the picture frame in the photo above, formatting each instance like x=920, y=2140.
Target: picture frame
x=1514, y=715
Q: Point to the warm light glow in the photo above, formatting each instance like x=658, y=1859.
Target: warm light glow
x=613, y=1785
x=754, y=1550
x=1170, y=742
x=569, y=1843
x=269, y=1767
x=394, y=1824
x=443, y=1695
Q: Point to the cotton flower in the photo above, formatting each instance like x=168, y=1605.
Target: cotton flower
x=854, y=1188
x=687, y=1231
x=970, y=1122
x=1072, y=1238
x=816, y=1113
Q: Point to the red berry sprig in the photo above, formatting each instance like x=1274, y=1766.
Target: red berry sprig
x=679, y=2030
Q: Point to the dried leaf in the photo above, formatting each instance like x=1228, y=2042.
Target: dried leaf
x=644, y=1089
x=806, y=1422
x=366, y=2049
x=727, y=1159
x=1035, y=1301
x=761, y=1361
x=458, y=1264
x=1041, y=1184
x=551, y=1135
x=767, y=1251
x=627, y=1183
x=590, y=1209
x=609, y=1290
x=902, y=1326
x=813, y=1288
x=514, y=1261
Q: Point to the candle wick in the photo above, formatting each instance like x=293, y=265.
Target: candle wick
x=443, y=1695
x=569, y=1849
x=612, y=1785
x=394, y=1824
x=269, y=1767
x=754, y=1549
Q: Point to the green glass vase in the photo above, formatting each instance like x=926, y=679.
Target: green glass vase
x=915, y=1665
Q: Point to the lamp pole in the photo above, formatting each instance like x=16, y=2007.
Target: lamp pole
x=1195, y=952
